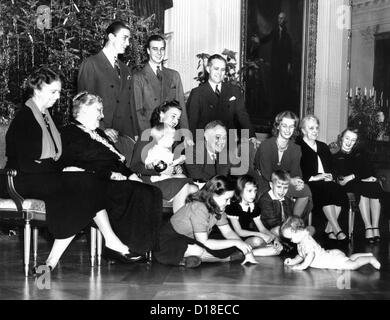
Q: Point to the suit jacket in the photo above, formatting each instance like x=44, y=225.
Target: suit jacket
x=309, y=159
x=98, y=76
x=207, y=168
x=148, y=93
x=204, y=106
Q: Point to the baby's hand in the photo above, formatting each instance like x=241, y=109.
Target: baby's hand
x=287, y=262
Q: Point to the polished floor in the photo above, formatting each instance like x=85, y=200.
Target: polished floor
x=75, y=279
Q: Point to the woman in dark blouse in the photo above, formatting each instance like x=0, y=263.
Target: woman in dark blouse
x=355, y=173
x=316, y=165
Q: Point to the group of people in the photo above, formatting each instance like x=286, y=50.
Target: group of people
x=131, y=144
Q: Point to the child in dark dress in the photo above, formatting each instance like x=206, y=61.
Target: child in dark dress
x=244, y=217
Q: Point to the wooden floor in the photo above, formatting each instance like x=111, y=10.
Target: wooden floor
x=74, y=279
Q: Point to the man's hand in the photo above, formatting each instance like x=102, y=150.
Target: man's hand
x=112, y=134
x=297, y=183
x=256, y=143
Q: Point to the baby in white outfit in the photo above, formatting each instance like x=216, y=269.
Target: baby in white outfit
x=161, y=154
x=311, y=254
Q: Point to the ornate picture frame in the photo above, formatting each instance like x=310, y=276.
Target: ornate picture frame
x=307, y=71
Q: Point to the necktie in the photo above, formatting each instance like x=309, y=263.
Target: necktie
x=117, y=68
x=281, y=206
x=158, y=73
x=217, y=92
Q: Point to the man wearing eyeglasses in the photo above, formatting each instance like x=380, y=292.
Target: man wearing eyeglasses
x=106, y=76
x=155, y=84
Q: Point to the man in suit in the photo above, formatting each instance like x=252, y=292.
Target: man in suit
x=218, y=100
x=155, y=84
x=209, y=157
x=106, y=76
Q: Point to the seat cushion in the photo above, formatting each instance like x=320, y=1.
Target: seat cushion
x=35, y=209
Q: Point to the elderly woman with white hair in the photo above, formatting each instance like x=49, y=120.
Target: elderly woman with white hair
x=317, y=170
x=134, y=208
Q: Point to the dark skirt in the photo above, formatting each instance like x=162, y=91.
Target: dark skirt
x=328, y=193
x=72, y=199
x=372, y=190
x=168, y=187
x=135, y=212
x=174, y=245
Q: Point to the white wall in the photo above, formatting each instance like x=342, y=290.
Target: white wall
x=200, y=26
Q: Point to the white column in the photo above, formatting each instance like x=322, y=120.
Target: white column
x=200, y=26
x=331, y=106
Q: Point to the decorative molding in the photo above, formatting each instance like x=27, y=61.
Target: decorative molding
x=310, y=61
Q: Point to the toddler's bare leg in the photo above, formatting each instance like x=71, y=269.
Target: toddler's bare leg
x=361, y=261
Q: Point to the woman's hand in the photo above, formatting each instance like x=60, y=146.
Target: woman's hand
x=244, y=247
x=297, y=183
x=370, y=179
x=117, y=176
x=134, y=177
x=322, y=177
x=168, y=171
x=72, y=169
x=346, y=179
x=112, y=134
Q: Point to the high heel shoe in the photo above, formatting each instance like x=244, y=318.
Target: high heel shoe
x=41, y=269
x=339, y=236
x=370, y=240
x=116, y=256
x=378, y=237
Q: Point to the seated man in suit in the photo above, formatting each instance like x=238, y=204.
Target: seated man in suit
x=107, y=77
x=209, y=158
x=218, y=100
x=155, y=84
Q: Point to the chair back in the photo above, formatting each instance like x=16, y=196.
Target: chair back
x=3, y=158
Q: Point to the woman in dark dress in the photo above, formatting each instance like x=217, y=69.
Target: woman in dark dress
x=317, y=170
x=33, y=148
x=355, y=174
x=134, y=208
x=174, y=189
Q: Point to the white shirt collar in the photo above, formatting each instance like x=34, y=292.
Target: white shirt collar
x=271, y=194
x=154, y=66
x=214, y=85
x=246, y=206
x=111, y=56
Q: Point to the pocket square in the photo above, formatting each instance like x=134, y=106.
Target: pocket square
x=233, y=98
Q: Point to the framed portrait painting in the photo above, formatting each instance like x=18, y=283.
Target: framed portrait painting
x=278, y=58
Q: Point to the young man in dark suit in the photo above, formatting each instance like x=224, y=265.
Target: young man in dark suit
x=218, y=100
x=106, y=76
x=155, y=84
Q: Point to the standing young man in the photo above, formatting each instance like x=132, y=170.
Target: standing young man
x=106, y=76
x=155, y=84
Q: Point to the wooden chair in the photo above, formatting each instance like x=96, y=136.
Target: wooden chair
x=32, y=213
x=351, y=214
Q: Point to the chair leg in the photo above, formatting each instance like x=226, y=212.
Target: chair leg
x=149, y=256
x=35, y=245
x=99, y=241
x=309, y=223
x=351, y=220
x=93, y=246
x=27, y=242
